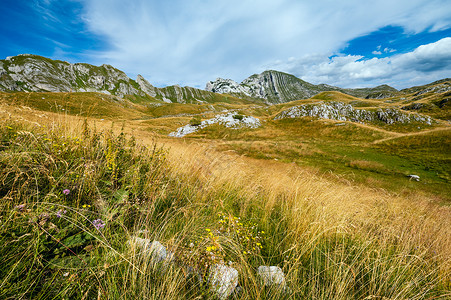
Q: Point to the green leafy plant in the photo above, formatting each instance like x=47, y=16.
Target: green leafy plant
x=238, y=117
x=195, y=121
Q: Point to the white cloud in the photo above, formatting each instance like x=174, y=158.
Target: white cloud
x=424, y=64
x=191, y=42
x=376, y=52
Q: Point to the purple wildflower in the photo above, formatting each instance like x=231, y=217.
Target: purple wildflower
x=20, y=207
x=60, y=213
x=98, y=224
x=66, y=192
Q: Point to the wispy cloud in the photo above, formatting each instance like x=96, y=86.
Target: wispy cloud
x=425, y=63
x=192, y=42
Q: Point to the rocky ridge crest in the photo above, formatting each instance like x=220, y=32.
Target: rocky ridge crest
x=279, y=87
x=32, y=73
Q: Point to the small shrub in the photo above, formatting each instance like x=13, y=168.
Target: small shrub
x=195, y=121
x=238, y=117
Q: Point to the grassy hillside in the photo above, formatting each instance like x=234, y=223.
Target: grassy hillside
x=303, y=194
x=72, y=199
x=80, y=104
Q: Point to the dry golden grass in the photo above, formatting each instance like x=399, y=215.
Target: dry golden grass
x=311, y=206
x=315, y=204
x=344, y=204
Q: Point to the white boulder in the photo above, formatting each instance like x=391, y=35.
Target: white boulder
x=223, y=280
x=273, y=276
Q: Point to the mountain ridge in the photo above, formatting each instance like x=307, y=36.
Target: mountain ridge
x=279, y=87
x=33, y=73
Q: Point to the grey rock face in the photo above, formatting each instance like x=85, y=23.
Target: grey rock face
x=223, y=280
x=227, y=86
x=146, y=86
x=273, y=86
x=279, y=87
x=37, y=74
x=34, y=73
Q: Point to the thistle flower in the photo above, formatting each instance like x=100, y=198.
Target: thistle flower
x=66, y=192
x=98, y=224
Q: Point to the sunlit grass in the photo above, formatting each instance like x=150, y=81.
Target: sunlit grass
x=333, y=239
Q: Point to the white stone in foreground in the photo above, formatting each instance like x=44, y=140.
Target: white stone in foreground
x=157, y=252
x=273, y=276
x=223, y=280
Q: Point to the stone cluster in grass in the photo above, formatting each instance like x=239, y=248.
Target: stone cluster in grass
x=222, y=279
x=228, y=120
x=345, y=112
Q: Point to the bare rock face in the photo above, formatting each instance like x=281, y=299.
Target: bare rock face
x=34, y=73
x=146, y=86
x=39, y=74
x=227, y=86
x=272, y=86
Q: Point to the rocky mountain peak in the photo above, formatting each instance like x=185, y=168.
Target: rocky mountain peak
x=278, y=87
x=272, y=86
x=226, y=86
x=146, y=86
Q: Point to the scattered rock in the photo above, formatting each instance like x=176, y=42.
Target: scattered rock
x=414, y=177
x=227, y=120
x=273, y=277
x=223, y=280
x=157, y=252
x=345, y=112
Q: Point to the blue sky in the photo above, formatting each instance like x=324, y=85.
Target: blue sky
x=349, y=43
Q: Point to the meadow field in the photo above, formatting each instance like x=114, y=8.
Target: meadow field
x=329, y=204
